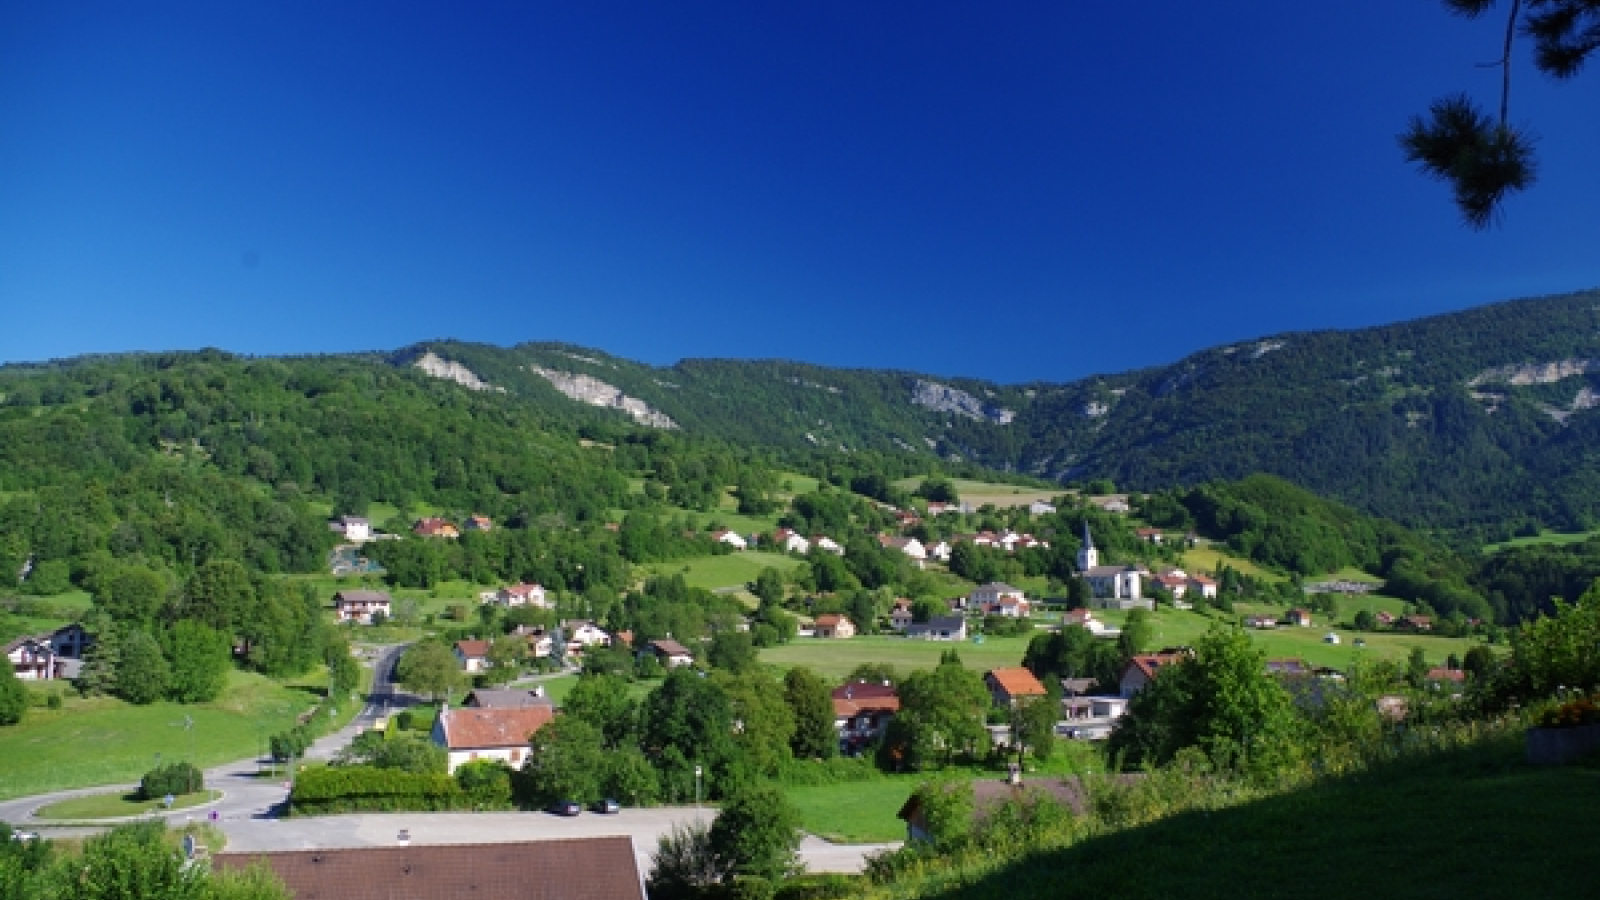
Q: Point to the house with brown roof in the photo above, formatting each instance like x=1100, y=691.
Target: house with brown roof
x=477, y=523
x=1143, y=668
x=472, y=656
x=523, y=594
x=489, y=733
x=593, y=868
x=671, y=653
x=1414, y=623
x=901, y=615
x=1300, y=618
x=435, y=527
x=360, y=606
x=833, y=625
x=861, y=713
x=1009, y=685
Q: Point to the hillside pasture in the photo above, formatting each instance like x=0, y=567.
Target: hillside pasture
x=981, y=493
x=733, y=570
x=1543, y=537
x=834, y=659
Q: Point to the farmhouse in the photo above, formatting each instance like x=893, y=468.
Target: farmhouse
x=731, y=538
x=489, y=733
x=835, y=626
x=361, y=606
x=789, y=542
x=591, y=868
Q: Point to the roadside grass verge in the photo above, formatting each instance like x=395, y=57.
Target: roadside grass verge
x=118, y=804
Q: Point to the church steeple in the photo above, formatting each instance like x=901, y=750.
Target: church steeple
x=1088, y=556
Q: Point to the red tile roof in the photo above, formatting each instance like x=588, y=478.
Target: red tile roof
x=470, y=649
x=600, y=868
x=1016, y=682
x=864, y=696
x=466, y=729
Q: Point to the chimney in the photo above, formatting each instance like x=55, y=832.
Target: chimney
x=403, y=838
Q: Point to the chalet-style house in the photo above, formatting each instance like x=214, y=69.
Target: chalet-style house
x=1300, y=618
x=489, y=733
x=361, y=606
x=937, y=550
x=540, y=642
x=1149, y=535
x=861, y=713
x=1009, y=685
x=49, y=656
x=670, y=653
x=833, y=625
x=472, y=656
x=1143, y=669
x=1414, y=623
x=434, y=527
x=590, y=868
x=579, y=635
x=477, y=523
x=901, y=616
x=352, y=528
x=517, y=595
x=939, y=628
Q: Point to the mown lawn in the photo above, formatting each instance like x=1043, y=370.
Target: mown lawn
x=106, y=741
x=855, y=812
x=979, y=493
x=834, y=659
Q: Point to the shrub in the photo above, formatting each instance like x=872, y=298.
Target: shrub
x=363, y=788
x=172, y=778
x=486, y=784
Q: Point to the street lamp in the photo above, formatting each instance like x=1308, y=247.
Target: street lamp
x=697, y=787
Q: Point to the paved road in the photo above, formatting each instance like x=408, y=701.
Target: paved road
x=248, y=813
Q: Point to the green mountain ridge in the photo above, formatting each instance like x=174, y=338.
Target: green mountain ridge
x=1465, y=419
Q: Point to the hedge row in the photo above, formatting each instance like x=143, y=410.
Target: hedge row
x=340, y=789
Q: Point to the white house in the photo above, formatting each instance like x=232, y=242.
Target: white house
x=489, y=733
x=939, y=550
x=789, y=542
x=1041, y=508
x=834, y=626
x=989, y=597
x=671, y=653
x=580, y=635
x=731, y=538
x=472, y=656
x=517, y=595
x=361, y=606
x=354, y=528
x=1083, y=618
x=823, y=542
x=911, y=547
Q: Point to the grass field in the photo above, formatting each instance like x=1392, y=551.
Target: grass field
x=855, y=812
x=1183, y=627
x=834, y=659
x=979, y=493
x=732, y=570
x=118, y=804
x=106, y=741
x=1544, y=537
x=1207, y=558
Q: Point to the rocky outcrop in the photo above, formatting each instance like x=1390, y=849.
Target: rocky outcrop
x=1535, y=373
x=593, y=391
x=450, y=370
x=944, y=398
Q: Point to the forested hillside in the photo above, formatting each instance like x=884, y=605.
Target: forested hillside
x=1482, y=418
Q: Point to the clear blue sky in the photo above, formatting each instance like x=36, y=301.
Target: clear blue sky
x=1018, y=191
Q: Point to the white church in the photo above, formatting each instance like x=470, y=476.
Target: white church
x=1113, y=587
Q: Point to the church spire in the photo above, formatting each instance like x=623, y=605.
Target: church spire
x=1088, y=557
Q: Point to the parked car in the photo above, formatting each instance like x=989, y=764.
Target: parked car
x=607, y=806
x=566, y=808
